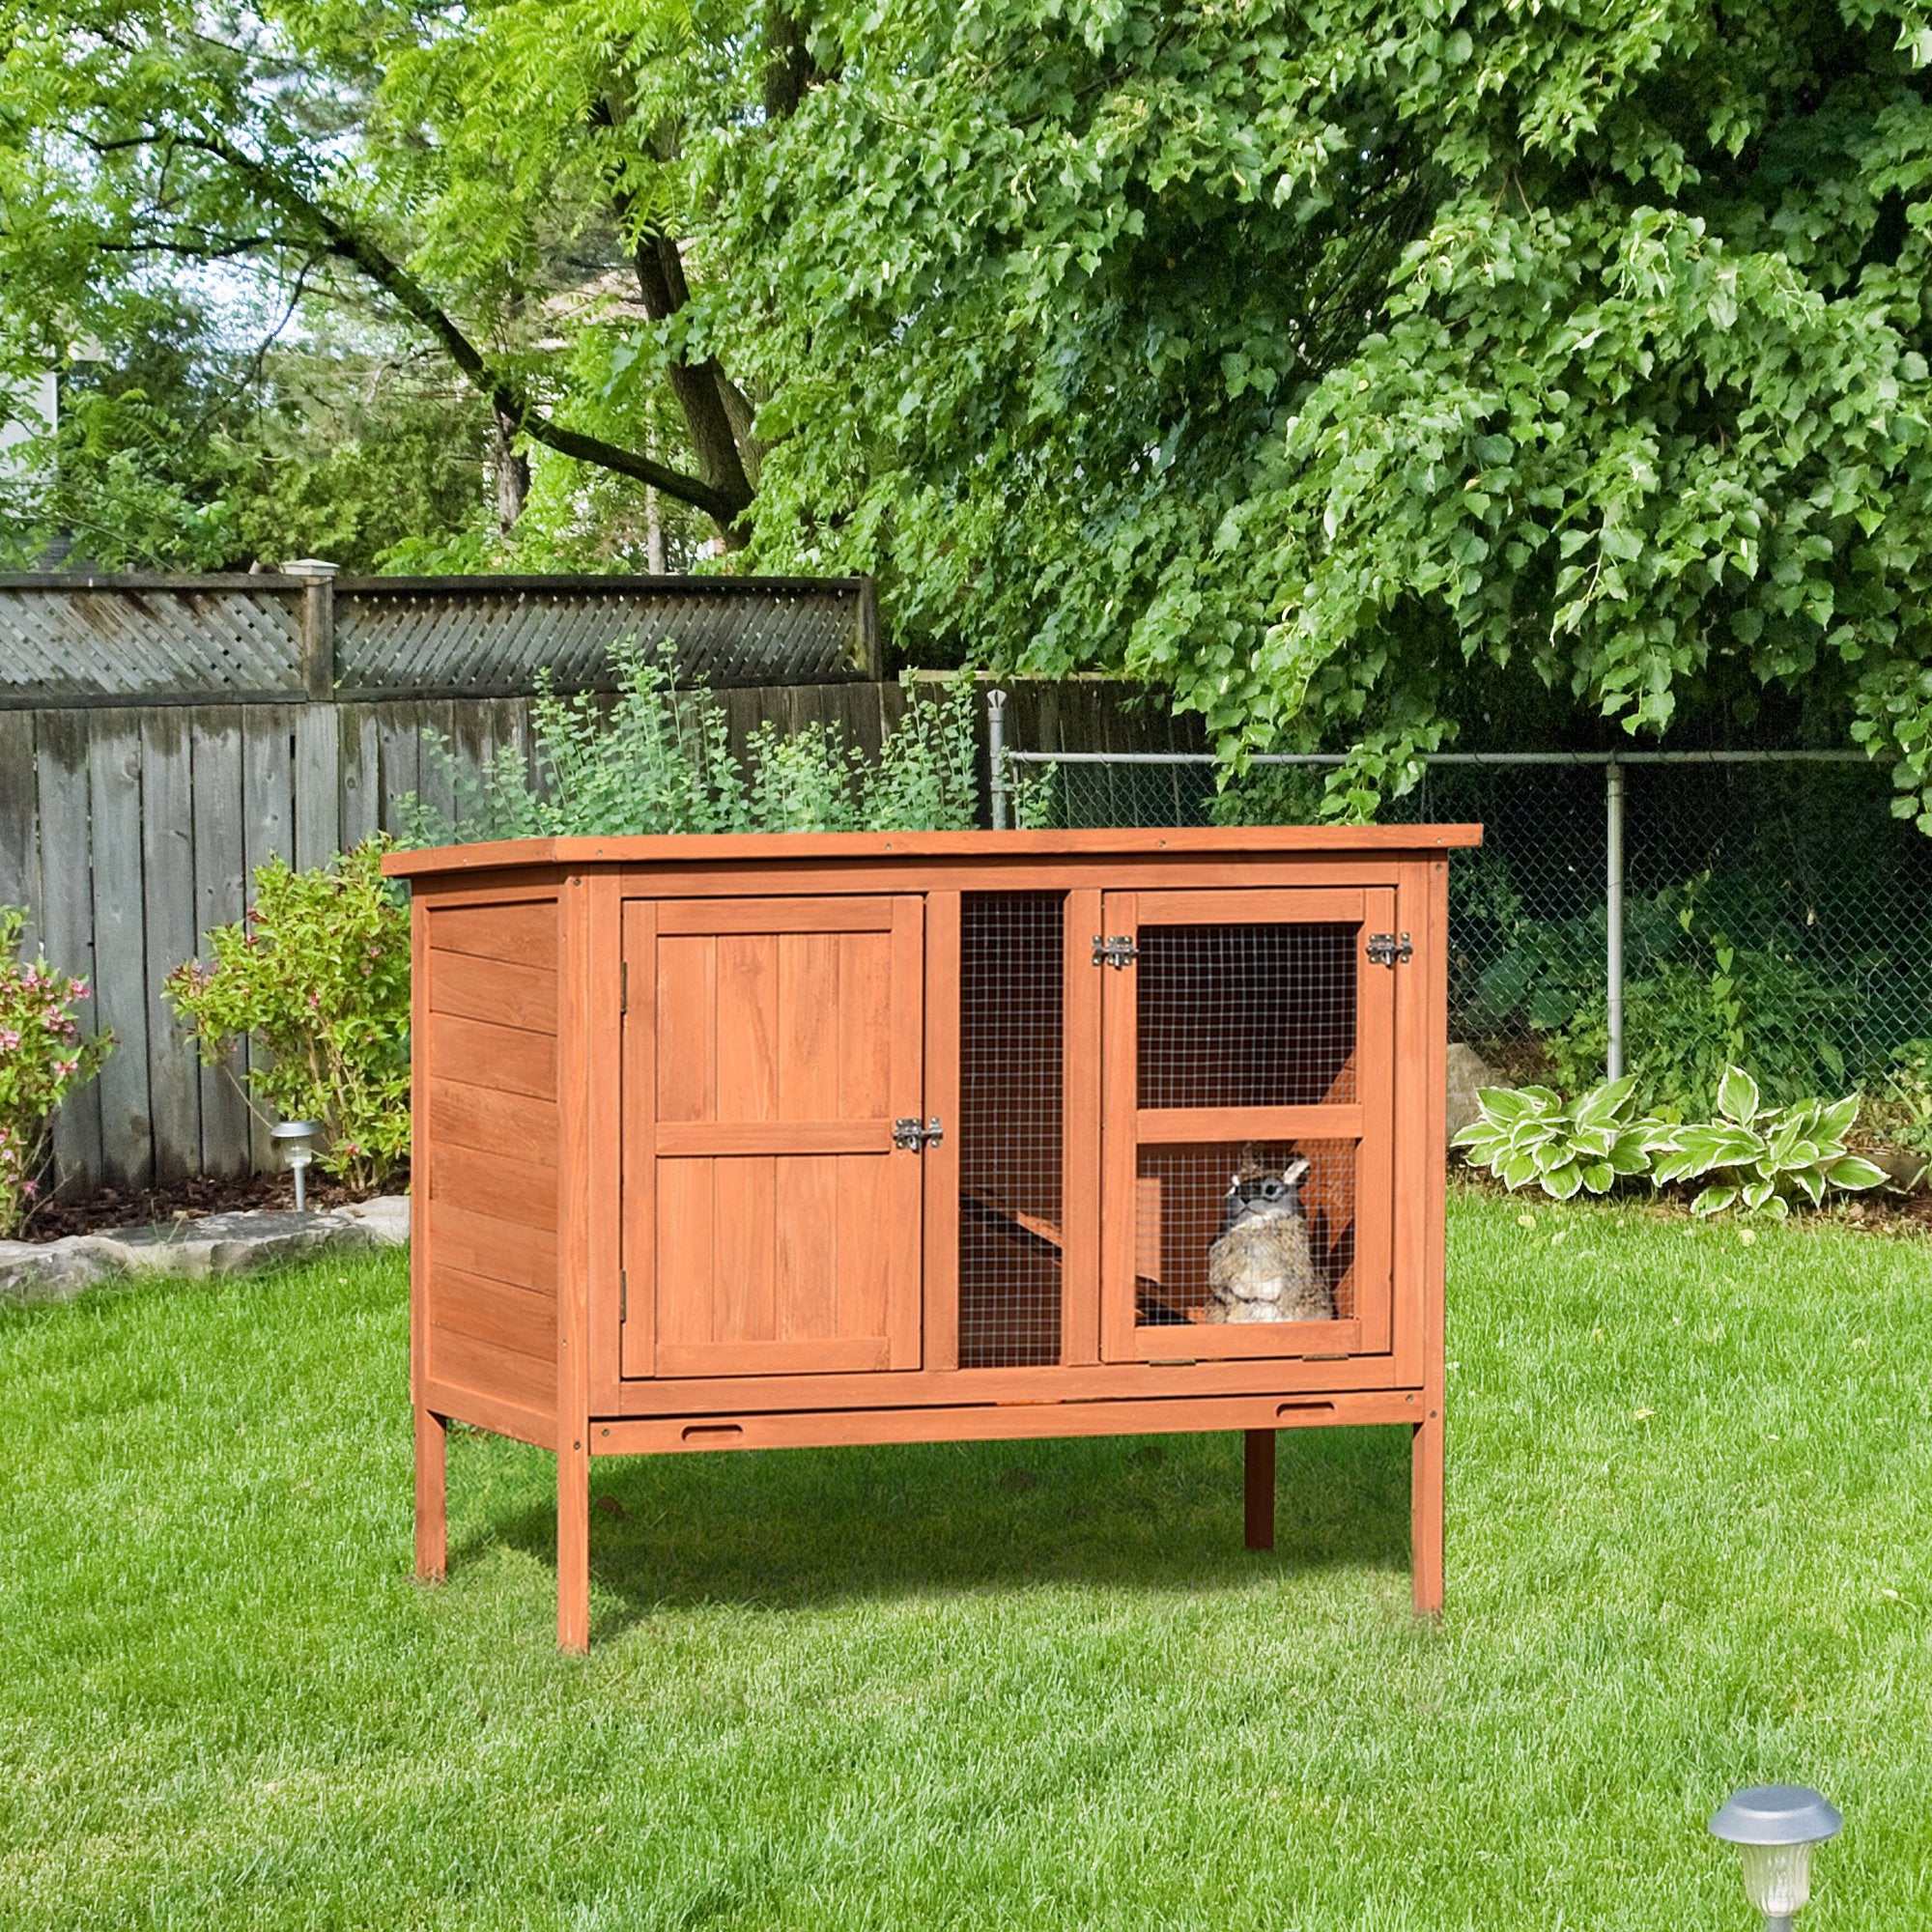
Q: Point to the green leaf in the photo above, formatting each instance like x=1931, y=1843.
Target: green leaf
x=1738, y=1096
x=1855, y=1172
x=1562, y=1182
x=1599, y=1106
x=1714, y=1200
x=1516, y=1170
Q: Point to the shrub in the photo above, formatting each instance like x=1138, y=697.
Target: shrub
x=660, y=760
x=1531, y=1133
x=318, y=977
x=1761, y=1158
x=42, y=1059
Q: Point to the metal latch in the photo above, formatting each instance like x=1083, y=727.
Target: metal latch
x=1120, y=951
x=908, y=1134
x=1386, y=950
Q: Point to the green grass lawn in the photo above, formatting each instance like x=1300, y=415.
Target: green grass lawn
x=1021, y=1685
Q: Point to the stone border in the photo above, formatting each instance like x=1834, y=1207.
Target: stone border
x=38, y=1272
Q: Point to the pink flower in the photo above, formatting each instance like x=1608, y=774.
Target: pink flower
x=8, y=1040
x=79, y=989
x=30, y=1188
x=65, y=1068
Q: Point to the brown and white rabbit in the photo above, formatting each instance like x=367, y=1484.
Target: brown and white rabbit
x=1261, y=1268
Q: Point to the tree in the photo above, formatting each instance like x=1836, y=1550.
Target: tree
x=1357, y=371
x=466, y=164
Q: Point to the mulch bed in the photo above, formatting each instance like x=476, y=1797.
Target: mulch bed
x=187, y=1200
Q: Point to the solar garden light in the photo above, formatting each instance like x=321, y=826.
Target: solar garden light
x=1776, y=1826
x=298, y=1138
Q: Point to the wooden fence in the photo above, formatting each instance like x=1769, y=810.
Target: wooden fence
x=130, y=831
x=308, y=633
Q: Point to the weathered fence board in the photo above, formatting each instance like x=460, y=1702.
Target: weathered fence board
x=120, y=949
x=168, y=901
x=220, y=882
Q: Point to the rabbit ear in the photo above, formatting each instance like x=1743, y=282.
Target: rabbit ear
x=1296, y=1170
x=1234, y=1183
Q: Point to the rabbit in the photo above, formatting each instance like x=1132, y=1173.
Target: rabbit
x=1261, y=1267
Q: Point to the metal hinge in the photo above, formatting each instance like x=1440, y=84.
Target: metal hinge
x=624, y=987
x=1386, y=950
x=623, y=1295
x=908, y=1134
x=1120, y=951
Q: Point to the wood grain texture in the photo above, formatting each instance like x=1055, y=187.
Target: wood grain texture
x=487, y=1244
x=705, y=852
x=474, y=988
x=516, y=1059
x=432, y=1445
x=524, y=933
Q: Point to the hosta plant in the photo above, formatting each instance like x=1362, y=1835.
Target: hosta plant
x=1526, y=1134
x=1761, y=1158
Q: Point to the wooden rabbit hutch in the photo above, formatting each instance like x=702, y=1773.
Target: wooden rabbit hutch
x=735, y=1142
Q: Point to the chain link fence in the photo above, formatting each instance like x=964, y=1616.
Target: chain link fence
x=1770, y=908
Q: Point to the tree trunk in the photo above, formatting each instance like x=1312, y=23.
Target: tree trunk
x=698, y=387
x=509, y=471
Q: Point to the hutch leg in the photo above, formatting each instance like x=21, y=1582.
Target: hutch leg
x=573, y=1547
x=432, y=1497
x=1426, y=1512
x=1259, y=1486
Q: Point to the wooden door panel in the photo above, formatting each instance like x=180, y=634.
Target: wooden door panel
x=784, y=1232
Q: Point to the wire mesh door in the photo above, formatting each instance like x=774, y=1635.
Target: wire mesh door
x=1248, y=1092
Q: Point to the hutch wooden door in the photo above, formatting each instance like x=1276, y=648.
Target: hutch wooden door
x=772, y=1070
x=1245, y=1032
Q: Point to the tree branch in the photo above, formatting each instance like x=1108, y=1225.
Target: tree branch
x=506, y=396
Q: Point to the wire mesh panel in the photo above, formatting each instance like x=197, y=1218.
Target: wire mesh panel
x=1010, y=1073
x=1247, y=1015
x=1243, y=1232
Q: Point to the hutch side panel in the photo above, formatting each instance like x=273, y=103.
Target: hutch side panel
x=486, y=1161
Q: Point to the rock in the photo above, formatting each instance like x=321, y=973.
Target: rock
x=47, y=1271
x=236, y=1243
x=1904, y=1170
x=1466, y=1073
x=386, y=1217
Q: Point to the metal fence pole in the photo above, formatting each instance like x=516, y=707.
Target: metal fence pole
x=996, y=752
x=1613, y=907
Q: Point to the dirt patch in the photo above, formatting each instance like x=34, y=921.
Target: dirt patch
x=187, y=1200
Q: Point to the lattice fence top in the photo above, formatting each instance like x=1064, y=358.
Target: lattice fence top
x=131, y=637
x=494, y=635
x=177, y=639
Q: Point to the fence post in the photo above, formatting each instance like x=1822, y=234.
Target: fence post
x=996, y=754
x=867, y=628
x=1613, y=907
x=318, y=625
